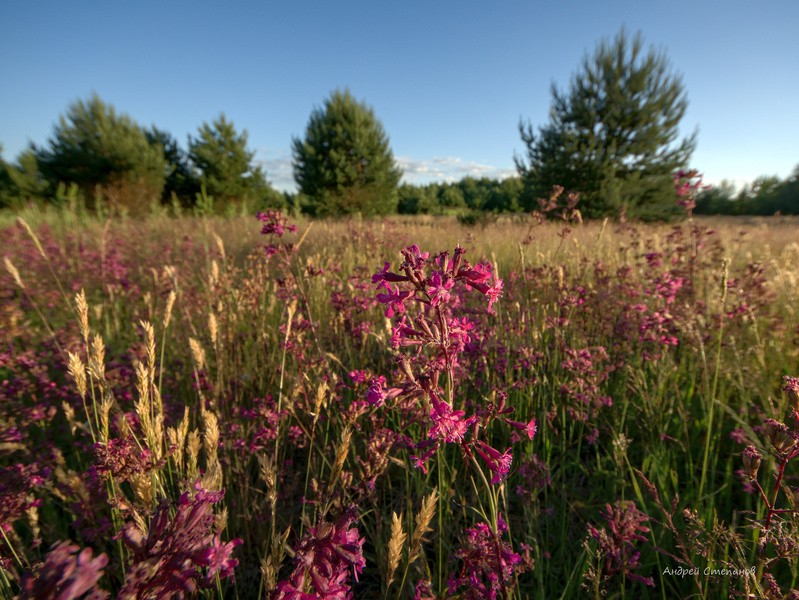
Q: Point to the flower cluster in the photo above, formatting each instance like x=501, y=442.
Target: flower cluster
x=784, y=442
x=179, y=554
x=324, y=560
x=68, y=572
x=16, y=486
x=687, y=184
x=433, y=286
x=489, y=565
x=122, y=459
x=616, y=543
x=275, y=225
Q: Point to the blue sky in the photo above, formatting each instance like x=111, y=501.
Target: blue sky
x=449, y=80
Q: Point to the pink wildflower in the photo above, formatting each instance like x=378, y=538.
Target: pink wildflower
x=439, y=288
x=395, y=300
x=498, y=463
x=178, y=554
x=68, y=572
x=448, y=424
x=323, y=562
x=488, y=564
x=625, y=524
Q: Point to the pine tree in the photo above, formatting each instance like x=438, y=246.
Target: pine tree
x=225, y=164
x=612, y=136
x=180, y=178
x=345, y=165
x=102, y=151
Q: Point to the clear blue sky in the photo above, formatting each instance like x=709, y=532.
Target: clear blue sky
x=449, y=80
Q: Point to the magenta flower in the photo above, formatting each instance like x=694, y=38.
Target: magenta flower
x=383, y=276
x=16, y=486
x=324, y=560
x=791, y=388
x=395, y=300
x=430, y=447
x=448, y=425
x=423, y=591
x=494, y=293
x=530, y=428
x=180, y=553
x=274, y=223
x=483, y=278
x=122, y=459
x=439, y=288
x=488, y=564
x=67, y=573
x=358, y=376
x=459, y=330
x=617, y=543
x=477, y=276
x=414, y=257
x=498, y=463
x=376, y=394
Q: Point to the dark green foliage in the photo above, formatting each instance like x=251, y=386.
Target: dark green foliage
x=6, y=186
x=417, y=200
x=494, y=195
x=225, y=164
x=475, y=192
x=344, y=165
x=450, y=196
x=24, y=181
x=467, y=195
x=103, y=152
x=180, y=178
x=613, y=136
x=482, y=218
x=718, y=199
x=765, y=196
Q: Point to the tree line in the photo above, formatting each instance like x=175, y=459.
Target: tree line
x=612, y=137
x=765, y=196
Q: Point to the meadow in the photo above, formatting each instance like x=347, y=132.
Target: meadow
x=398, y=408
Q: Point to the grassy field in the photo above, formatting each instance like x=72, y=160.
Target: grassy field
x=238, y=408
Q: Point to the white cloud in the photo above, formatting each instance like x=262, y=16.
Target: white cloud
x=277, y=165
x=447, y=168
x=279, y=171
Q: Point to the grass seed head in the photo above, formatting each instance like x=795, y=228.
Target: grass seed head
x=83, y=314
x=423, y=520
x=12, y=270
x=78, y=371
x=395, y=545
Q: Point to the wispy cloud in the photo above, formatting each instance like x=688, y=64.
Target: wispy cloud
x=279, y=172
x=448, y=169
x=277, y=165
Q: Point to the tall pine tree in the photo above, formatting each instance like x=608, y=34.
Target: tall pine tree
x=225, y=164
x=613, y=136
x=345, y=165
x=105, y=153
x=180, y=178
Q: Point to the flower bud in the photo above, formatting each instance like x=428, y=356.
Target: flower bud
x=779, y=435
x=791, y=389
x=751, y=458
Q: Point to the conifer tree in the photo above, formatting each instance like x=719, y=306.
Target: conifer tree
x=613, y=136
x=344, y=165
x=180, y=177
x=225, y=164
x=103, y=152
